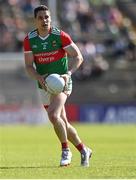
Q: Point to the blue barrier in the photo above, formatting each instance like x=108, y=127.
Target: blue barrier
x=109, y=113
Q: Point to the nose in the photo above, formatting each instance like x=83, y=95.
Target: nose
x=45, y=20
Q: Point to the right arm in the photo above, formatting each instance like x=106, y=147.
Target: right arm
x=29, y=60
x=31, y=70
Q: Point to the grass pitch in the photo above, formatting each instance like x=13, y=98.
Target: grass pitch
x=34, y=152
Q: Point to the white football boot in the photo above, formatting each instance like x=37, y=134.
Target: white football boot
x=65, y=157
x=85, y=156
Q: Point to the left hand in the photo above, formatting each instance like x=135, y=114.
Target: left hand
x=68, y=84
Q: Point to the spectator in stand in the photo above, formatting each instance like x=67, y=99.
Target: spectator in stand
x=102, y=24
x=94, y=64
x=13, y=26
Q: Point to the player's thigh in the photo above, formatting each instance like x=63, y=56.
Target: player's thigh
x=44, y=97
x=56, y=103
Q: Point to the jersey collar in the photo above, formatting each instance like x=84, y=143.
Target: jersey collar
x=43, y=38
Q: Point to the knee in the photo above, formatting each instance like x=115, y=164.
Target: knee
x=53, y=117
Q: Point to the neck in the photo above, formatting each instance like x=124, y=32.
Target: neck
x=44, y=32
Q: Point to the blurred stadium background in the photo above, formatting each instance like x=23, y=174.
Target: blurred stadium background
x=104, y=86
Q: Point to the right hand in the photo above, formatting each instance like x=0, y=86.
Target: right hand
x=42, y=82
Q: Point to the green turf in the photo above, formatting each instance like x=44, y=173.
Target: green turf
x=34, y=152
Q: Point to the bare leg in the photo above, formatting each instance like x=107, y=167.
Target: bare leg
x=54, y=113
x=72, y=134
x=75, y=140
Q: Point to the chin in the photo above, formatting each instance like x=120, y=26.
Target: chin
x=45, y=27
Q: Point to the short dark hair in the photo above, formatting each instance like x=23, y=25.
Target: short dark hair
x=40, y=8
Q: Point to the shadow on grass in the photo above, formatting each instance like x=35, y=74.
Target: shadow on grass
x=29, y=167
x=36, y=167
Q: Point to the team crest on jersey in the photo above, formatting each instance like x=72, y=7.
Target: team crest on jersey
x=54, y=43
x=44, y=45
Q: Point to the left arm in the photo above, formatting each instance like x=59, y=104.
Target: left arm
x=73, y=51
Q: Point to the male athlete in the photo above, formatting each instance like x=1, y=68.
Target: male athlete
x=45, y=50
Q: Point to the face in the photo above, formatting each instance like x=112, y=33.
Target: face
x=43, y=20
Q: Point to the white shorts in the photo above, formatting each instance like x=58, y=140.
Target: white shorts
x=45, y=97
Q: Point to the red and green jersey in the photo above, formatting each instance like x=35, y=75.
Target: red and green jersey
x=49, y=52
